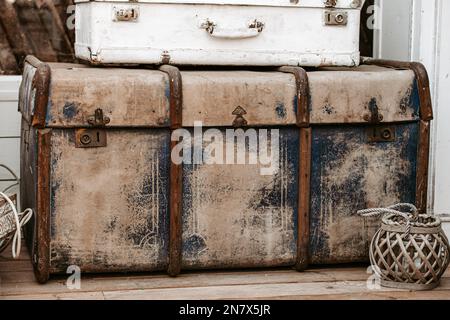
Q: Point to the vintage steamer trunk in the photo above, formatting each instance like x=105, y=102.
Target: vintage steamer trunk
x=97, y=169
x=219, y=32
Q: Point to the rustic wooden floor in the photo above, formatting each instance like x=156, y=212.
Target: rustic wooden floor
x=17, y=282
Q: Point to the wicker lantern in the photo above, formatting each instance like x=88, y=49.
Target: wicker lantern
x=410, y=250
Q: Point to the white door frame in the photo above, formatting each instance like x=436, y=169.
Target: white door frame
x=419, y=30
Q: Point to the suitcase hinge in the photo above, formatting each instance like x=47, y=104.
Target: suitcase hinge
x=94, y=137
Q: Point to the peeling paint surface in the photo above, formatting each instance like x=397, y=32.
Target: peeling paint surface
x=129, y=97
x=350, y=174
x=349, y=95
x=235, y=217
x=267, y=97
x=109, y=206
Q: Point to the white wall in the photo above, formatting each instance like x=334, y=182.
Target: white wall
x=9, y=127
x=442, y=123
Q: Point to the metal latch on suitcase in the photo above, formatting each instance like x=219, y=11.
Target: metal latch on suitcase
x=336, y=18
x=126, y=13
x=93, y=137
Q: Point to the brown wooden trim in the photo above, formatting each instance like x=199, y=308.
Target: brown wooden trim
x=176, y=173
x=423, y=152
x=426, y=108
x=301, y=80
x=302, y=83
x=41, y=83
x=304, y=199
x=41, y=255
x=176, y=96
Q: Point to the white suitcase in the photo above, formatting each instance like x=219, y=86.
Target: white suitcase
x=219, y=32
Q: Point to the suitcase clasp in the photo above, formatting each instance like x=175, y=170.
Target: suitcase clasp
x=93, y=137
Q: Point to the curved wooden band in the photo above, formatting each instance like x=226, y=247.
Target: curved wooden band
x=176, y=173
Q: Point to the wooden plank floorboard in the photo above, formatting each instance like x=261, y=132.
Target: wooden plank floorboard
x=331, y=283
x=189, y=280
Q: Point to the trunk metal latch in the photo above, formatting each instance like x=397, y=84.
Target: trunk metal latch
x=93, y=137
x=381, y=134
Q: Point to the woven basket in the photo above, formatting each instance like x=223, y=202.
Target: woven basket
x=410, y=251
x=7, y=222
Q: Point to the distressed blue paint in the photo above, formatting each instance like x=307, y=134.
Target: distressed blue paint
x=295, y=104
x=267, y=196
x=48, y=114
x=326, y=149
x=415, y=99
x=373, y=106
x=143, y=198
x=280, y=111
x=70, y=110
x=167, y=90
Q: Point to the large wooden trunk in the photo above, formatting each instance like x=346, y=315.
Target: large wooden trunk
x=100, y=167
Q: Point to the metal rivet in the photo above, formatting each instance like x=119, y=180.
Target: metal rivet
x=387, y=134
x=339, y=18
x=85, y=139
